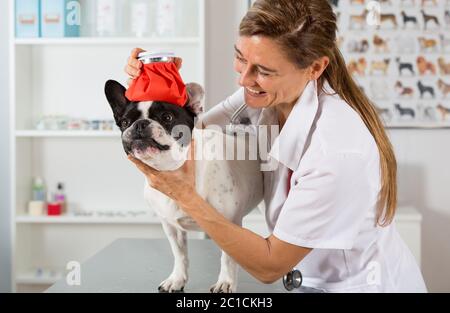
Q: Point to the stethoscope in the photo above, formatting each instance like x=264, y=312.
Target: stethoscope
x=237, y=126
x=234, y=117
x=292, y=280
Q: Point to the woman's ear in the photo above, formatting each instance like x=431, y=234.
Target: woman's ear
x=318, y=67
x=196, y=99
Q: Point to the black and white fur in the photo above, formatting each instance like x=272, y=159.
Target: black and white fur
x=159, y=134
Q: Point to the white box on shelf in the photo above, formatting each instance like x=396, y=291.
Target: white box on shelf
x=139, y=18
x=165, y=18
x=27, y=18
x=60, y=18
x=106, y=16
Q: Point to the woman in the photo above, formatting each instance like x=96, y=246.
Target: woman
x=331, y=199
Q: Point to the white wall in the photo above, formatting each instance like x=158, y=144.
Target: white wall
x=424, y=182
x=222, y=20
x=424, y=176
x=5, y=251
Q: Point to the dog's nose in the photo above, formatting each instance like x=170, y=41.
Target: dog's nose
x=140, y=126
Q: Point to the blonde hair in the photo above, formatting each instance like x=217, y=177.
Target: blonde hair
x=306, y=30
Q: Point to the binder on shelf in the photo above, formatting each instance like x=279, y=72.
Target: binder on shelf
x=60, y=18
x=27, y=18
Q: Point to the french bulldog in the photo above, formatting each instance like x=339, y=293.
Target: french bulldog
x=159, y=134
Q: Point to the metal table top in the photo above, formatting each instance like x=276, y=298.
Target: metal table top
x=139, y=265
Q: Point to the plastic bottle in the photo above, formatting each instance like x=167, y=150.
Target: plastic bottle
x=106, y=20
x=60, y=197
x=139, y=18
x=53, y=207
x=39, y=193
x=165, y=18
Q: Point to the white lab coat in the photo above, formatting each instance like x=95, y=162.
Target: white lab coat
x=331, y=204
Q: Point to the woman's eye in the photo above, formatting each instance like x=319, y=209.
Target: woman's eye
x=167, y=117
x=239, y=58
x=263, y=74
x=124, y=123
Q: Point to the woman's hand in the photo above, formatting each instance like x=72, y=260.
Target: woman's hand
x=134, y=66
x=178, y=185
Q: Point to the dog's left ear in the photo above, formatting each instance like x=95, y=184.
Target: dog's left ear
x=196, y=98
x=115, y=93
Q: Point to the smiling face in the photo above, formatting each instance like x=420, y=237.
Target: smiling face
x=267, y=75
x=157, y=133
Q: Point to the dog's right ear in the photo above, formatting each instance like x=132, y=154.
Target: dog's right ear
x=115, y=93
x=196, y=98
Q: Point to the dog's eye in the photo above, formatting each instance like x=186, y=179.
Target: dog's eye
x=167, y=117
x=124, y=123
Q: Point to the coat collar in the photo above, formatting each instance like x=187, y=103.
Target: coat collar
x=288, y=147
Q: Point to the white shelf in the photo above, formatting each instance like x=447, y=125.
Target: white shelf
x=24, y=219
x=67, y=133
x=254, y=216
x=106, y=41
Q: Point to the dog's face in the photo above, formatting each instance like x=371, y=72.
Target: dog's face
x=157, y=133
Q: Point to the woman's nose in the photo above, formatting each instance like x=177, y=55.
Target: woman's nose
x=246, y=78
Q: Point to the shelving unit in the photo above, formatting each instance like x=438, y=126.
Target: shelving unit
x=66, y=76
x=153, y=220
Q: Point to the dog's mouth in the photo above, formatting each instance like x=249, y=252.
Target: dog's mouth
x=149, y=142
x=144, y=146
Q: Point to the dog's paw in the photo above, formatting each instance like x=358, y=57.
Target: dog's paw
x=223, y=287
x=172, y=284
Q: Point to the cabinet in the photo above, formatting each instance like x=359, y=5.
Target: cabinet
x=66, y=76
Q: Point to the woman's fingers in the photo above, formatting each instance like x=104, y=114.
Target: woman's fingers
x=192, y=152
x=178, y=62
x=133, y=67
x=133, y=72
x=135, y=52
x=142, y=166
x=134, y=63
